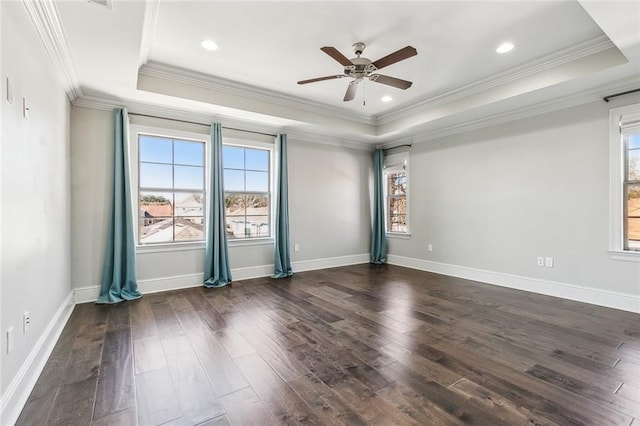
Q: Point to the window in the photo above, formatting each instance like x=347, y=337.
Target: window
x=396, y=193
x=631, y=147
x=247, y=191
x=171, y=189
x=625, y=182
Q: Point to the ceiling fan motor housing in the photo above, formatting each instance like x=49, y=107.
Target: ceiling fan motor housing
x=362, y=67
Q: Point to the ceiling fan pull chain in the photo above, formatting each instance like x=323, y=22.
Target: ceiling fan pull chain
x=364, y=94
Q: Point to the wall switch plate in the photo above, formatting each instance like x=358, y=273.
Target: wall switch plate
x=10, y=340
x=548, y=262
x=296, y=247
x=9, y=91
x=429, y=247
x=540, y=261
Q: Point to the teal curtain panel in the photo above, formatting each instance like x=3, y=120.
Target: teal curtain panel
x=119, y=273
x=217, y=272
x=282, y=248
x=378, y=234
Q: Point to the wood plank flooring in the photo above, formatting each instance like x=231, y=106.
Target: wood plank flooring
x=357, y=345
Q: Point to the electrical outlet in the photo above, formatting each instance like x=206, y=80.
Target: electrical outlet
x=296, y=247
x=540, y=261
x=10, y=341
x=548, y=262
x=429, y=247
x=26, y=322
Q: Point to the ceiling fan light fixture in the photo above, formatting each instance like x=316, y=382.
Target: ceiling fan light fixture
x=386, y=98
x=209, y=44
x=505, y=47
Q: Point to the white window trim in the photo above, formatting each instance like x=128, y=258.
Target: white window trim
x=616, y=178
x=134, y=131
x=397, y=162
x=246, y=143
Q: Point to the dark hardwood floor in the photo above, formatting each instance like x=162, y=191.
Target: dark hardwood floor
x=363, y=344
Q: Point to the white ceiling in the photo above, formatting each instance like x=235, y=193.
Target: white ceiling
x=148, y=52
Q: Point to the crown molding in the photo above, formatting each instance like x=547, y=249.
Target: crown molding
x=46, y=22
x=552, y=105
x=231, y=87
x=151, y=10
x=553, y=60
x=174, y=113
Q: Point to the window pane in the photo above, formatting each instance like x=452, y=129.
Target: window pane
x=191, y=153
x=189, y=177
x=634, y=164
x=633, y=217
x=397, y=223
x=398, y=205
x=155, y=223
x=257, y=181
x=257, y=159
x=188, y=228
x=155, y=150
x=396, y=183
x=234, y=180
x=158, y=232
x=257, y=226
x=234, y=204
x=634, y=141
x=238, y=227
x=232, y=157
x=156, y=175
x=633, y=230
x=257, y=204
x=190, y=204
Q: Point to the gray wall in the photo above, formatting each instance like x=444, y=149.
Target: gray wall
x=496, y=198
x=35, y=230
x=328, y=196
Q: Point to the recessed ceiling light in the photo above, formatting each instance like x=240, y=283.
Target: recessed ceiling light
x=386, y=99
x=209, y=44
x=505, y=47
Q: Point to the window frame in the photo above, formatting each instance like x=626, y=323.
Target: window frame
x=134, y=154
x=623, y=120
x=394, y=163
x=254, y=144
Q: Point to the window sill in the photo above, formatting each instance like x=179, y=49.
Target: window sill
x=170, y=247
x=399, y=235
x=627, y=256
x=250, y=242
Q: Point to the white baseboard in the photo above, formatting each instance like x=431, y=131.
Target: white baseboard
x=611, y=299
x=16, y=395
x=239, y=274
x=329, y=262
x=154, y=285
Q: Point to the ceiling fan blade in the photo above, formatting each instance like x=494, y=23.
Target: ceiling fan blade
x=397, y=56
x=328, y=77
x=390, y=81
x=333, y=52
x=351, y=91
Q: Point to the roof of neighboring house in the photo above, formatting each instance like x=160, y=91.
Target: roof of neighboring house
x=157, y=210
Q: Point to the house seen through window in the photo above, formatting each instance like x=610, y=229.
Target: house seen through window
x=396, y=187
x=247, y=193
x=631, y=142
x=396, y=192
x=171, y=189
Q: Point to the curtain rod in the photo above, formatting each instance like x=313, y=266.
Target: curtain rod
x=606, y=98
x=399, y=146
x=200, y=124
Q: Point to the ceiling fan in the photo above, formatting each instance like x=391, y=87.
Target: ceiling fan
x=359, y=68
